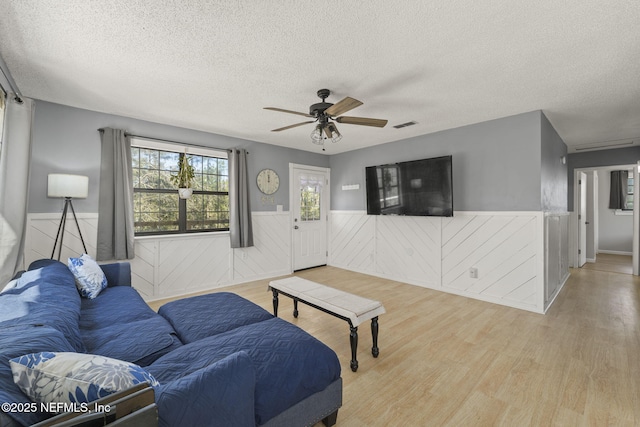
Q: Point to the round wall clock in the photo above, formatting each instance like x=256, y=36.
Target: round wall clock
x=268, y=181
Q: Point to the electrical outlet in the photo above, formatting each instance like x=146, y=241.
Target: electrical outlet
x=473, y=272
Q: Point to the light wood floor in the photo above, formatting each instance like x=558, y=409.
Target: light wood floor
x=447, y=360
x=612, y=263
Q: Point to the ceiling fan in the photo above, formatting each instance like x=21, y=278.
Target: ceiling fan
x=325, y=113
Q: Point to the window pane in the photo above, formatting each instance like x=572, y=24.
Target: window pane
x=223, y=183
x=211, y=166
x=155, y=212
x=164, y=180
x=135, y=157
x=310, y=203
x=210, y=183
x=169, y=161
x=149, y=159
x=223, y=168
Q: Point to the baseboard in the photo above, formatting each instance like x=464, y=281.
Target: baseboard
x=600, y=251
x=218, y=287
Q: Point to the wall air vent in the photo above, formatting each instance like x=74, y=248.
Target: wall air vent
x=404, y=125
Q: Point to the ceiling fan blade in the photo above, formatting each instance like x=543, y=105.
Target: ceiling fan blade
x=342, y=106
x=363, y=121
x=327, y=131
x=291, y=126
x=287, y=111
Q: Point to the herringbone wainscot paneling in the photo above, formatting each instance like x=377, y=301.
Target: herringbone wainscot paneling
x=166, y=266
x=408, y=249
x=271, y=254
x=352, y=241
x=192, y=263
x=41, y=235
x=504, y=248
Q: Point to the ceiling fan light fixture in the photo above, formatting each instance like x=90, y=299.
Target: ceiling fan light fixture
x=316, y=135
x=325, y=113
x=336, y=136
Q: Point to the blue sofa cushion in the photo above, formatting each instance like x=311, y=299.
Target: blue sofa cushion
x=119, y=324
x=203, y=316
x=45, y=295
x=218, y=395
x=17, y=341
x=290, y=364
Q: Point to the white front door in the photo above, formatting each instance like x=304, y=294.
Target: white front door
x=310, y=202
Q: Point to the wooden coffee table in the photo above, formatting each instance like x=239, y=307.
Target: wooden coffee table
x=351, y=308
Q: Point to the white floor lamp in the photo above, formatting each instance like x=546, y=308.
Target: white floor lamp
x=69, y=187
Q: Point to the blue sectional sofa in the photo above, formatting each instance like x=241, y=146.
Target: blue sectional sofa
x=220, y=360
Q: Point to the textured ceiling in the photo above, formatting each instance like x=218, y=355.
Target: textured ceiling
x=213, y=65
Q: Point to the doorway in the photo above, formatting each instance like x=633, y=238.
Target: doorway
x=596, y=227
x=309, y=201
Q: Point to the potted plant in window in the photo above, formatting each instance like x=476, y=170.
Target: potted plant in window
x=184, y=178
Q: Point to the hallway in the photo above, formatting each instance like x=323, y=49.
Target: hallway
x=611, y=263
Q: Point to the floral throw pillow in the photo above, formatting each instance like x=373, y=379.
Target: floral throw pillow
x=90, y=278
x=74, y=378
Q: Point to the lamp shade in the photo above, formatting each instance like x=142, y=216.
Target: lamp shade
x=63, y=185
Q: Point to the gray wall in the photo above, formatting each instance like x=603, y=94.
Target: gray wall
x=553, y=173
x=66, y=140
x=594, y=159
x=496, y=165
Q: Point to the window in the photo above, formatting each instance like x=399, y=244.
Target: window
x=628, y=206
x=157, y=207
x=310, y=192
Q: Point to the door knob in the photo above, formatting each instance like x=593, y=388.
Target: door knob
x=295, y=227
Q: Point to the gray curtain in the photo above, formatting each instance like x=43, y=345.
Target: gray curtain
x=115, y=205
x=240, y=227
x=618, y=194
x=15, y=156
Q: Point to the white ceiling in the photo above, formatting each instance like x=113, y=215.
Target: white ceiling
x=212, y=65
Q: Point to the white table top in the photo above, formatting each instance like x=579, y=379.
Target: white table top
x=355, y=308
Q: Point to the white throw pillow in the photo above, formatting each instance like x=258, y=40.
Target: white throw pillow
x=90, y=278
x=74, y=377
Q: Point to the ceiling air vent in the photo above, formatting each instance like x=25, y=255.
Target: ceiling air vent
x=404, y=125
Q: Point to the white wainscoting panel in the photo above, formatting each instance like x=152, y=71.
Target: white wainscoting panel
x=143, y=267
x=352, y=241
x=505, y=248
x=271, y=254
x=188, y=264
x=41, y=235
x=166, y=266
x=409, y=249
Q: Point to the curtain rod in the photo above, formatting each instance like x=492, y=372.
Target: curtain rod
x=174, y=142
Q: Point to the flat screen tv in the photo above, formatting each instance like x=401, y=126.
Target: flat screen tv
x=415, y=188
